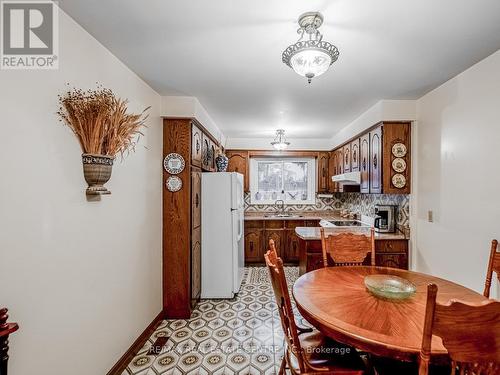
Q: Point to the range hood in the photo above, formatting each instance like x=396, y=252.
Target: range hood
x=350, y=178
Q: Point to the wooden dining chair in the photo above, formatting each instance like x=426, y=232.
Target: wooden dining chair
x=470, y=333
x=347, y=248
x=307, y=352
x=493, y=266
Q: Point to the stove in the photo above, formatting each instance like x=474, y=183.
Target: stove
x=342, y=223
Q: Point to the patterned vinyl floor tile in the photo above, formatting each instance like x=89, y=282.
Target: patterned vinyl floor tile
x=240, y=336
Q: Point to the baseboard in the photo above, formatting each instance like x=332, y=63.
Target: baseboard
x=123, y=362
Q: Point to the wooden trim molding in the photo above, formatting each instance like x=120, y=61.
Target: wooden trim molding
x=125, y=359
x=286, y=153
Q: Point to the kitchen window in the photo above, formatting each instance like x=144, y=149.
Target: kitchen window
x=292, y=180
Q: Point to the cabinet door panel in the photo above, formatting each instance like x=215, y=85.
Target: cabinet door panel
x=205, y=150
x=392, y=260
x=346, y=151
x=292, y=246
x=340, y=166
x=196, y=140
x=196, y=198
x=253, y=246
x=364, y=162
x=211, y=163
x=332, y=171
x=195, y=265
x=355, y=155
x=375, y=161
x=238, y=162
x=322, y=172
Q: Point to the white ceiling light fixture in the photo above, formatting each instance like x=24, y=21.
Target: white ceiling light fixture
x=280, y=142
x=311, y=57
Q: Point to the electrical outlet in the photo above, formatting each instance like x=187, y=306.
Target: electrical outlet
x=430, y=216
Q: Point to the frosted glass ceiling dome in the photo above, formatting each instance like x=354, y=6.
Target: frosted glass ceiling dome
x=312, y=57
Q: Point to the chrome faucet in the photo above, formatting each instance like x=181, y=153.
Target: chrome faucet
x=280, y=206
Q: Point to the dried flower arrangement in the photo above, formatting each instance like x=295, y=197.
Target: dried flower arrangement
x=103, y=128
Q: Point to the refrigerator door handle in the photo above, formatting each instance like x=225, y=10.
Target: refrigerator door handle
x=240, y=229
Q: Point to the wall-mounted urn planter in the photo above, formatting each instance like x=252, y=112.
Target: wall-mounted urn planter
x=97, y=171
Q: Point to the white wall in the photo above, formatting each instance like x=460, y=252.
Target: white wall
x=459, y=175
x=82, y=279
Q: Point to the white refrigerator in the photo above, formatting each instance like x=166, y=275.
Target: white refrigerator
x=222, y=234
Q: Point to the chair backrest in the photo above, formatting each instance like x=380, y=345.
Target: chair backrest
x=272, y=247
x=470, y=333
x=493, y=266
x=280, y=287
x=347, y=248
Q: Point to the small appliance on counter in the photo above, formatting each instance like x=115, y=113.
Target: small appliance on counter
x=385, y=218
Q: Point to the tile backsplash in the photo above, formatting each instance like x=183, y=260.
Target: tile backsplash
x=356, y=202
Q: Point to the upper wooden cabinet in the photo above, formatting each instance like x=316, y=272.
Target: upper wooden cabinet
x=323, y=172
x=355, y=155
x=332, y=171
x=205, y=152
x=196, y=139
x=383, y=157
x=396, y=159
x=211, y=156
x=376, y=160
x=364, y=162
x=346, y=152
x=238, y=162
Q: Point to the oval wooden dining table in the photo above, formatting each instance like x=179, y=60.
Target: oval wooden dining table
x=336, y=301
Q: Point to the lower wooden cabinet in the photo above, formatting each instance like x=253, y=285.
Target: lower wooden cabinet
x=292, y=246
x=388, y=253
x=282, y=232
x=253, y=245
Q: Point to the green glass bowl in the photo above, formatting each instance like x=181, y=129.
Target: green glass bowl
x=389, y=286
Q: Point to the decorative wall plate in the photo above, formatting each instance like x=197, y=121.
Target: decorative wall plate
x=174, y=163
x=399, y=165
x=399, y=181
x=399, y=150
x=174, y=183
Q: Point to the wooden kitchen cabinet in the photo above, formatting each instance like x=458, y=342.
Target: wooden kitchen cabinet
x=340, y=166
x=282, y=232
x=195, y=266
x=355, y=155
x=238, y=162
x=196, y=197
x=181, y=234
x=211, y=156
x=277, y=236
x=346, y=152
x=375, y=171
x=322, y=172
x=253, y=245
x=396, y=133
x=292, y=246
x=332, y=171
x=205, y=152
x=388, y=253
x=364, y=162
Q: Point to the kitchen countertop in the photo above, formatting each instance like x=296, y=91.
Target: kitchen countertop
x=305, y=215
x=313, y=233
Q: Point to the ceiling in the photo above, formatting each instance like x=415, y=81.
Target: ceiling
x=227, y=53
